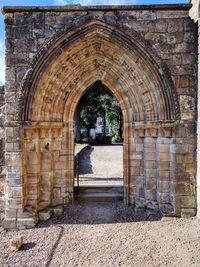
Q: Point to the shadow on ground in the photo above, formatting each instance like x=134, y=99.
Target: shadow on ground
x=28, y=246
x=57, y=241
x=85, y=165
x=100, y=213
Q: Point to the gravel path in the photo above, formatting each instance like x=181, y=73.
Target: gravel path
x=110, y=235
x=102, y=165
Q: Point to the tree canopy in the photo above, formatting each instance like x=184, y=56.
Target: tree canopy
x=99, y=101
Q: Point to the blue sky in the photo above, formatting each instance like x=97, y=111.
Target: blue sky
x=65, y=2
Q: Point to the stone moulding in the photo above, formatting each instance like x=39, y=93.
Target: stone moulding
x=129, y=37
x=78, y=7
x=154, y=129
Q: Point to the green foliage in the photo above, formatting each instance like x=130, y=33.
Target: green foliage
x=98, y=101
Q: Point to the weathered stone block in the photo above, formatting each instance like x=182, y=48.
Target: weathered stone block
x=175, y=26
x=164, y=166
x=140, y=204
x=9, y=223
x=58, y=210
x=161, y=25
x=45, y=215
x=150, y=182
x=61, y=201
x=184, y=189
x=14, y=192
x=14, y=203
x=153, y=206
x=166, y=209
x=150, y=194
x=164, y=187
x=150, y=164
x=187, y=103
x=164, y=198
x=26, y=223
x=147, y=15
x=186, y=213
x=161, y=38
x=171, y=14
x=18, y=59
x=164, y=175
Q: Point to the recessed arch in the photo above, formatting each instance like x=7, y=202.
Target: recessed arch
x=104, y=51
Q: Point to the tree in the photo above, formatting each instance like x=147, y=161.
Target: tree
x=99, y=101
x=113, y=115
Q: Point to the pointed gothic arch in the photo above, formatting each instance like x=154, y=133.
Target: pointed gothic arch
x=138, y=65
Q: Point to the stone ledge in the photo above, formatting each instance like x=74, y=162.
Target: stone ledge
x=69, y=8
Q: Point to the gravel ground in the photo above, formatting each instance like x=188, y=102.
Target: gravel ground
x=105, y=234
x=102, y=165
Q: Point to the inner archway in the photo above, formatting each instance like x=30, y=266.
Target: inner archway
x=98, y=138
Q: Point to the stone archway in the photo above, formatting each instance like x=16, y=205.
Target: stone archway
x=50, y=92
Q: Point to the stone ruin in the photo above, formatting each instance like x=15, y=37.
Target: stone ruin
x=146, y=56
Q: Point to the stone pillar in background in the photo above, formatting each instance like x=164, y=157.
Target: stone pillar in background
x=13, y=161
x=2, y=152
x=198, y=126
x=195, y=15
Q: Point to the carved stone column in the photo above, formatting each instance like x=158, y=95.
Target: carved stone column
x=165, y=164
x=137, y=192
x=150, y=169
x=152, y=166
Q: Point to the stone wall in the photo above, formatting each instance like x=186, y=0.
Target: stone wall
x=170, y=32
x=195, y=15
x=2, y=152
x=160, y=148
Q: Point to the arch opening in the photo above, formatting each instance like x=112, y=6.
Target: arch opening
x=98, y=139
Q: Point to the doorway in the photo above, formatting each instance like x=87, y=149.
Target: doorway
x=98, y=139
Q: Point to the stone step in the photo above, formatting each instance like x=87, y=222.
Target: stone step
x=98, y=197
x=99, y=189
x=99, y=194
